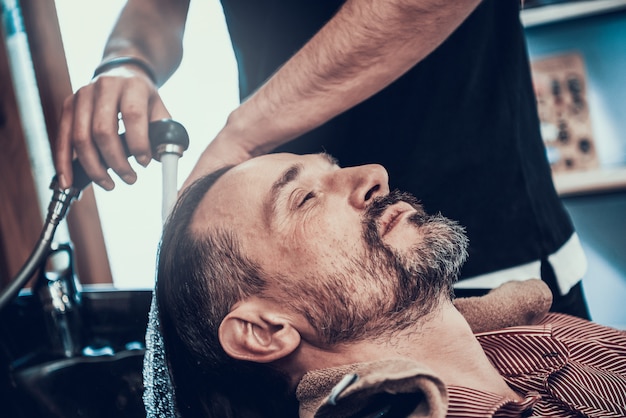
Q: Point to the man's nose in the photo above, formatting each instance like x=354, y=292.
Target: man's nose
x=366, y=182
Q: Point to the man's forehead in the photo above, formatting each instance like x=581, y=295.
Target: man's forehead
x=240, y=190
x=257, y=173
x=228, y=199
x=264, y=171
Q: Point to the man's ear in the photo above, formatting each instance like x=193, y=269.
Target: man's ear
x=252, y=331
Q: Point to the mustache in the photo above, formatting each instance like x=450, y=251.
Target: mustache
x=380, y=203
x=376, y=208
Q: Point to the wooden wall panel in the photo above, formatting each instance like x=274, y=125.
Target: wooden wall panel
x=20, y=222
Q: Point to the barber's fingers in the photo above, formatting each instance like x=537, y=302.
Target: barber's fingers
x=107, y=97
x=138, y=107
x=129, y=94
x=89, y=127
x=81, y=135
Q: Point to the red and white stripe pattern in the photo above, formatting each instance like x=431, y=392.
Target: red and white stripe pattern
x=563, y=367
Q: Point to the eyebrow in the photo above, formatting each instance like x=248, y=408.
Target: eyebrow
x=287, y=177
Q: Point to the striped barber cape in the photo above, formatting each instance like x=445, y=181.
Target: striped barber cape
x=564, y=367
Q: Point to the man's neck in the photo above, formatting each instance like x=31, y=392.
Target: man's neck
x=444, y=343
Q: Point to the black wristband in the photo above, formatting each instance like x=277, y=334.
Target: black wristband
x=116, y=62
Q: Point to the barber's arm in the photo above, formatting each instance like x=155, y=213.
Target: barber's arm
x=143, y=50
x=366, y=46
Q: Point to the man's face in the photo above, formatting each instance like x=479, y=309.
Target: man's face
x=339, y=248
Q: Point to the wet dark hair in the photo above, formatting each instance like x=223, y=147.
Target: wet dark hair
x=200, y=276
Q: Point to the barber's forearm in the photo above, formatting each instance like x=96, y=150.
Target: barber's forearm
x=366, y=46
x=151, y=30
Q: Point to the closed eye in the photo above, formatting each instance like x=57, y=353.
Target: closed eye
x=309, y=196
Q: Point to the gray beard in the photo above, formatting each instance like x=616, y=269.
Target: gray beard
x=399, y=290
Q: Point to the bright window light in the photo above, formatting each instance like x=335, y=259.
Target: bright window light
x=200, y=95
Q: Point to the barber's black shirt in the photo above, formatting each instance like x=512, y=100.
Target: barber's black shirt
x=460, y=130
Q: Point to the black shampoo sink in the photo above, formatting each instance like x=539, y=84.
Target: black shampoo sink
x=104, y=379
x=100, y=386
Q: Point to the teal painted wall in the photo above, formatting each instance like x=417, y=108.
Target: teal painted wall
x=600, y=219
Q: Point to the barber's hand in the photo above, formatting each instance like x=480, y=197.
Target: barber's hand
x=220, y=152
x=89, y=126
x=247, y=133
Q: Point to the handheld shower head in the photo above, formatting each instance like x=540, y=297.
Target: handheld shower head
x=165, y=135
